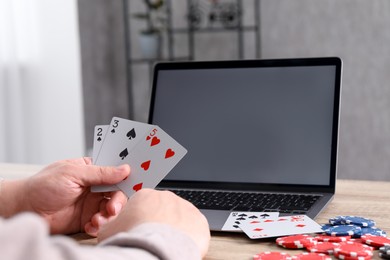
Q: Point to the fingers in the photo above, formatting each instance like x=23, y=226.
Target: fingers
x=101, y=175
x=116, y=203
x=109, y=209
x=91, y=230
x=87, y=160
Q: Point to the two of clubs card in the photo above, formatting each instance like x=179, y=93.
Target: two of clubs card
x=149, y=150
x=269, y=224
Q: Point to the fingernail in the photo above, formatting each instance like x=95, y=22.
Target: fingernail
x=117, y=208
x=92, y=229
x=102, y=220
x=121, y=168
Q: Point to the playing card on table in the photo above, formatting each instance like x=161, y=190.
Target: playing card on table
x=237, y=218
x=282, y=226
x=151, y=160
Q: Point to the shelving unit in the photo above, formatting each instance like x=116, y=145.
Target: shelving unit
x=233, y=23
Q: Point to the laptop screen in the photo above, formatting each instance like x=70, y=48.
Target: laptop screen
x=255, y=122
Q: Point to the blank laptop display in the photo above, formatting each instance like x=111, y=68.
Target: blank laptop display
x=252, y=126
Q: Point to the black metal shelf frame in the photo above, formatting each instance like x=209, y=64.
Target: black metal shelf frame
x=191, y=32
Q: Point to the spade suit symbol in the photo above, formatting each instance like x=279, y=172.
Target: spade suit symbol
x=99, y=139
x=124, y=153
x=131, y=134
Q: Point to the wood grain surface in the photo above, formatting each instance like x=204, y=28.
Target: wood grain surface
x=370, y=199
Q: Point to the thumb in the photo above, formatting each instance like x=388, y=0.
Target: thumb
x=103, y=175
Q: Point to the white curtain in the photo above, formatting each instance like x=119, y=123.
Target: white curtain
x=16, y=27
x=40, y=81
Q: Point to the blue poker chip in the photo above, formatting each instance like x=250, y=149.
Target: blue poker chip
x=358, y=233
x=339, y=220
x=326, y=226
x=343, y=230
x=358, y=221
x=373, y=231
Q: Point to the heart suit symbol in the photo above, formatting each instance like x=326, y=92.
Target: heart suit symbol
x=137, y=187
x=154, y=141
x=145, y=165
x=169, y=153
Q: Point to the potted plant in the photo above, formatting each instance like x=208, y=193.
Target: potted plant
x=150, y=38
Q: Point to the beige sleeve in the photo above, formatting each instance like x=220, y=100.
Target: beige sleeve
x=26, y=236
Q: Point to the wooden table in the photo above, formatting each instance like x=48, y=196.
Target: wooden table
x=369, y=199
x=360, y=198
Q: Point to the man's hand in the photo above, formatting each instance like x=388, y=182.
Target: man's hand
x=60, y=193
x=161, y=207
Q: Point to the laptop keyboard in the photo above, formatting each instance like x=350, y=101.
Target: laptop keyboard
x=239, y=201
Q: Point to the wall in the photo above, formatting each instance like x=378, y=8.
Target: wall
x=50, y=98
x=358, y=31
x=103, y=63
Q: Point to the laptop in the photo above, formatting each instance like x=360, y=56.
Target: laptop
x=261, y=135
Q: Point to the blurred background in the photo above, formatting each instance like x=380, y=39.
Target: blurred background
x=66, y=66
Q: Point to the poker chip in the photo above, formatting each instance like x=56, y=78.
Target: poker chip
x=339, y=220
x=376, y=241
x=295, y=241
x=271, y=256
x=343, y=230
x=325, y=238
x=358, y=232
x=373, y=231
x=346, y=237
x=326, y=226
x=352, y=249
x=357, y=240
x=311, y=256
x=385, y=250
x=359, y=221
x=323, y=247
x=344, y=257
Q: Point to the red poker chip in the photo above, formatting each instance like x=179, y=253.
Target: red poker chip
x=271, y=256
x=295, y=241
x=311, y=256
x=357, y=240
x=295, y=245
x=376, y=241
x=325, y=238
x=352, y=249
x=344, y=257
x=323, y=247
x=360, y=241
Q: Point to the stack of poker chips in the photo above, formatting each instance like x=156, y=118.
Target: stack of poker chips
x=345, y=237
x=284, y=256
x=384, y=252
x=353, y=226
